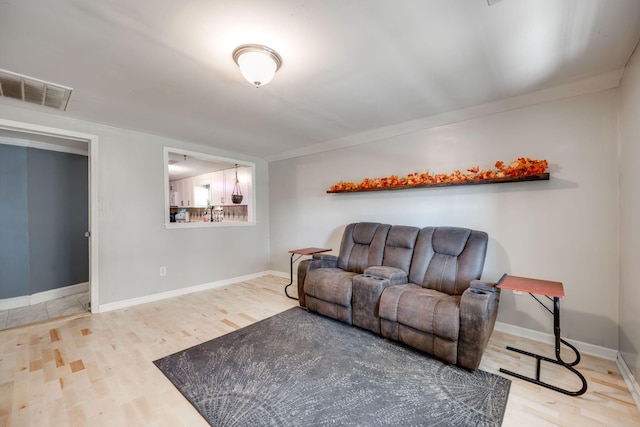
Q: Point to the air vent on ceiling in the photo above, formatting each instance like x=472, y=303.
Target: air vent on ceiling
x=32, y=90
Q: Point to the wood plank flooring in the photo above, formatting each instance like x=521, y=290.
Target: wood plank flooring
x=98, y=371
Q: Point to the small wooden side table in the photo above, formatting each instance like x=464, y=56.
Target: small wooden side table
x=553, y=291
x=301, y=252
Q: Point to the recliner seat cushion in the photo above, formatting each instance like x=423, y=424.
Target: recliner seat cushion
x=330, y=284
x=426, y=310
x=329, y=292
x=426, y=319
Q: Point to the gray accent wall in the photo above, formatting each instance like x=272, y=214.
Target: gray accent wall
x=43, y=221
x=14, y=224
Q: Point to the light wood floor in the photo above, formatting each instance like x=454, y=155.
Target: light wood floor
x=98, y=371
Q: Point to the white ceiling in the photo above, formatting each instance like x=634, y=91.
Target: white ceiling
x=349, y=66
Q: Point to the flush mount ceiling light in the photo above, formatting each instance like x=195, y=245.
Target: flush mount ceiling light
x=257, y=63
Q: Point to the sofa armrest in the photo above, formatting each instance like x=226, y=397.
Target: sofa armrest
x=396, y=276
x=326, y=257
x=317, y=261
x=365, y=300
x=481, y=286
x=478, y=312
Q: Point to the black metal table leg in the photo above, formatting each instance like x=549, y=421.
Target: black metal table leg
x=558, y=360
x=291, y=275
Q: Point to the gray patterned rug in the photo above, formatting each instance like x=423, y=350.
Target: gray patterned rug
x=301, y=369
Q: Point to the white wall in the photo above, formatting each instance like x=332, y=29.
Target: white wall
x=629, y=335
x=133, y=242
x=565, y=229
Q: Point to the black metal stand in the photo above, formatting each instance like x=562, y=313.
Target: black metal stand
x=558, y=360
x=291, y=274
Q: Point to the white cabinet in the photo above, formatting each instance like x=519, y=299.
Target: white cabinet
x=202, y=180
x=177, y=188
x=217, y=188
x=187, y=190
x=173, y=193
x=184, y=192
x=229, y=182
x=223, y=183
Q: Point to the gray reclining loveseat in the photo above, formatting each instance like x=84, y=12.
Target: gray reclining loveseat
x=419, y=286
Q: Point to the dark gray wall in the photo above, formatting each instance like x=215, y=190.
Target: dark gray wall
x=53, y=217
x=14, y=225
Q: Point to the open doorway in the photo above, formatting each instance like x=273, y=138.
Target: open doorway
x=64, y=150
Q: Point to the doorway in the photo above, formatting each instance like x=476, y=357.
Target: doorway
x=46, y=137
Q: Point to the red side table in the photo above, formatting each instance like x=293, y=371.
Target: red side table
x=552, y=291
x=301, y=252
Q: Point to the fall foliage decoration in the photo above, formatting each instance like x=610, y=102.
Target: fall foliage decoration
x=521, y=167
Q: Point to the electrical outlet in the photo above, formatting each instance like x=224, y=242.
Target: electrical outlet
x=517, y=292
x=163, y=271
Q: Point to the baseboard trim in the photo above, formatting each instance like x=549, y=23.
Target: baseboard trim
x=281, y=274
x=629, y=379
x=15, y=302
x=40, y=297
x=583, y=347
x=178, y=292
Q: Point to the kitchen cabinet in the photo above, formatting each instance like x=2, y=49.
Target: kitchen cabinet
x=209, y=189
x=189, y=192
x=223, y=182
x=202, y=180
x=218, y=188
x=184, y=192
x=173, y=196
x=193, y=195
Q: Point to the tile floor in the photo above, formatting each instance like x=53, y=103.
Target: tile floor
x=60, y=307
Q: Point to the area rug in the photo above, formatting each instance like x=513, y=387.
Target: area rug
x=302, y=369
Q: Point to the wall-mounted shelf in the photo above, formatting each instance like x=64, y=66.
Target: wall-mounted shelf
x=534, y=177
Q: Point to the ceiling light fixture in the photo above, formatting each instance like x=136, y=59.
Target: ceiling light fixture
x=258, y=64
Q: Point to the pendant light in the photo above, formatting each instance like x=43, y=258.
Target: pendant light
x=236, y=195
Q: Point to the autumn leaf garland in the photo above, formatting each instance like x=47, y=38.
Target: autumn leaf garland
x=522, y=166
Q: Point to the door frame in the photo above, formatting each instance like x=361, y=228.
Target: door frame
x=92, y=146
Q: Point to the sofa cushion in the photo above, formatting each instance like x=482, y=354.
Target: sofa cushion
x=362, y=246
x=448, y=258
x=425, y=310
x=450, y=240
x=330, y=284
x=398, y=249
x=422, y=318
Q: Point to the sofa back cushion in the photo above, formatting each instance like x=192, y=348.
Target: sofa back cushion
x=398, y=249
x=362, y=246
x=448, y=258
